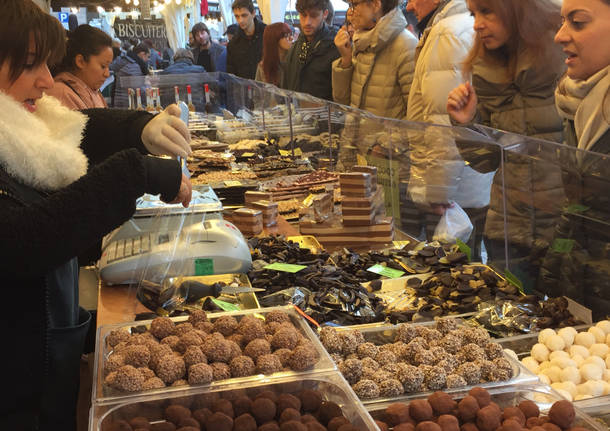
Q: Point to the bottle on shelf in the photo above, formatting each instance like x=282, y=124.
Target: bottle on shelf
x=159, y=107
x=130, y=98
x=190, y=99
x=208, y=104
x=149, y=100
x=176, y=94
x=139, y=99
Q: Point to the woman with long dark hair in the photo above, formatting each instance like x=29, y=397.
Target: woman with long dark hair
x=277, y=40
x=84, y=69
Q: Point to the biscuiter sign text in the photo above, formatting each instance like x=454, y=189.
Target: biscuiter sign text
x=142, y=29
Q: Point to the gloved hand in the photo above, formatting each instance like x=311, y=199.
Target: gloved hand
x=185, y=193
x=166, y=134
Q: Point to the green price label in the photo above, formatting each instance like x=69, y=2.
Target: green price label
x=204, y=266
x=226, y=306
x=577, y=208
x=512, y=279
x=385, y=271
x=285, y=267
x=464, y=248
x=562, y=245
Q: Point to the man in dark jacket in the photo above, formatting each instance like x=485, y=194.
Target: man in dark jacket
x=245, y=50
x=183, y=63
x=207, y=53
x=309, y=61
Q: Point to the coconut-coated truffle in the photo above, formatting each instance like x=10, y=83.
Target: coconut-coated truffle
x=455, y=381
x=263, y=409
x=366, y=389
x=529, y=408
x=242, y=366
x=410, y=376
x=336, y=422
x=200, y=374
x=405, y=333
x=116, y=336
x=386, y=357
x=470, y=372
x=397, y=413
x=448, y=423
x=420, y=410
x=367, y=350
x=488, y=418
x=136, y=355
x=435, y=378
x=329, y=337
x=268, y=364
x=302, y=358
x=226, y=325
x=176, y=413
x=170, y=368
x=127, y=378
x=468, y=408
x=256, y=348
x=351, y=370
x=441, y=403
x=390, y=388
x=350, y=340
x=562, y=414
x=219, y=422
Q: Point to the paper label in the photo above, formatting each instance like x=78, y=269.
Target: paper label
x=308, y=201
x=562, y=245
x=512, y=279
x=464, y=248
x=297, y=152
x=204, y=266
x=577, y=208
x=248, y=155
x=385, y=271
x=232, y=183
x=400, y=244
x=285, y=267
x=361, y=160
x=226, y=306
x=580, y=311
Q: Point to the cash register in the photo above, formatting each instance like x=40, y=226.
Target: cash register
x=164, y=240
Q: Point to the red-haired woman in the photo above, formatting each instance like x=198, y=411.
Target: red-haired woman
x=277, y=40
x=515, y=67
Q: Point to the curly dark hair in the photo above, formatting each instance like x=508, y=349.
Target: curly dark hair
x=305, y=5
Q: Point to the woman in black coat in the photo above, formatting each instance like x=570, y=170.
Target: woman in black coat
x=66, y=179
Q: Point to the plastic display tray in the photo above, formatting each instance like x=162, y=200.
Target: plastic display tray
x=102, y=394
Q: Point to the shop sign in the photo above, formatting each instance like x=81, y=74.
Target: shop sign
x=153, y=29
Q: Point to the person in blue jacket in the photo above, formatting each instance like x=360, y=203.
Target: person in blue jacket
x=183, y=63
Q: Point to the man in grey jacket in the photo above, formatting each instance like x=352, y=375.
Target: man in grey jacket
x=207, y=53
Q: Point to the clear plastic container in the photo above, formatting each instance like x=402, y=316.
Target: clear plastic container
x=332, y=386
x=512, y=395
x=102, y=394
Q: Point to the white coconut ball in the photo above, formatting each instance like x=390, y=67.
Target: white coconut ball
x=599, y=349
x=570, y=374
x=578, y=360
x=555, y=343
x=544, y=379
x=582, y=397
x=608, y=362
x=590, y=372
x=607, y=389
x=512, y=354
x=585, y=339
x=600, y=336
x=554, y=374
x=608, y=339
x=564, y=393
x=570, y=387
x=595, y=388
x=558, y=354
x=606, y=375
x=545, y=334
x=568, y=335
x=604, y=325
x=540, y=352
x=563, y=362
x=531, y=364
x=543, y=366
x=595, y=360
x=579, y=350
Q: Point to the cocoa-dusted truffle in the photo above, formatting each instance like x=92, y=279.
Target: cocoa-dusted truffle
x=162, y=327
x=481, y=395
x=308, y=418
x=382, y=425
x=170, y=368
x=514, y=413
x=293, y=426
x=549, y=426
x=512, y=425
x=268, y=364
x=351, y=370
x=488, y=419
x=256, y=348
x=189, y=424
x=242, y=366
x=285, y=401
x=269, y=426
x=226, y=325
x=251, y=329
x=410, y=377
x=366, y=389
x=448, y=423
x=193, y=355
x=277, y=316
x=162, y=426
x=533, y=423
x=427, y=426
x=529, y=408
x=468, y=408
x=336, y=422
x=313, y=425
x=176, y=413
x=127, y=378
x=328, y=410
x=219, y=422
x=469, y=427
x=441, y=403
x=390, y=388
x=245, y=422
x=242, y=405
x=289, y=414
x=263, y=410
x=562, y=414
x=267, y=394
x=302, y=358
x=183, y=328
x=470, y=372
x=152, y=383
x=136, y=355
x=116, y=336
x=455, y=381
x=420, y=410
x=200, y=374
x=202, y=415
x=435, y=378
x=139, y=422
x=220, y=371
x=405, y=427
x=310, y=400
x=397, y=413
x=223, y=406
x=367, y=350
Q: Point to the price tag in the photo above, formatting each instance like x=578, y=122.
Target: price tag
x=285, y=267
x=512, y=279
x=308, y=201
x=248, y=155
x=361, y=160
x=562, y=245
x=464, y=248
x=204, y=266
x=232, y=183
x=226, y=306
x=385, y=271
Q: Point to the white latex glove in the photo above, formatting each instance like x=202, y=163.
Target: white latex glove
x=166, y=134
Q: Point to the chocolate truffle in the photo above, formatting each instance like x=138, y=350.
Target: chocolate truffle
x=488, y=419
x=183, y=328
x=310, y=400
x=153, y=383
x=116, y=336
x=219, y=422
x=285, y=338
x=197, y=316
x=562, y=414
x=193, y=355
x=242, y=405
x=251, y=329
x=293, y=426
x=427, y=426
x=455, y=381
x=284, y=356
x=268, y=364
x=336, y=422
x=366, y=389
x=113, y=363
x=263, y=410
x=397, y=413
x=411, y=377
x=285, y=401
x=226, y=325
x=468, y=408
x=351, y=370
x=162, y=327
x=256, y=348
x=220, y=371
x=469, y=427
x=200, y=374
x=269, y=426
x=482, y=396
x=170, y=368
x=448, y=423
x=367, y=350
x=244, y=422
x=511, y=425
x=514, y=413
x=302, y=358
x=127, y=378
x=289, y=414
x=201, y=415
x=390, y=388
x=441, y=403
x=549, y=426
x=136, y=355
x=223, y=406
x=529, y=408
x=405, y=427
x=420, y=410
x=328, y=410
x=242, y=366
x=329, y=337
x=175, y=413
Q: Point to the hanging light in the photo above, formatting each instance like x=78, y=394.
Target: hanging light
x=155, y=3
x=127, y=1
x=117, y=9
x=100, y=9
x=136, y=2
x=74, y=10
x=178, y=1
